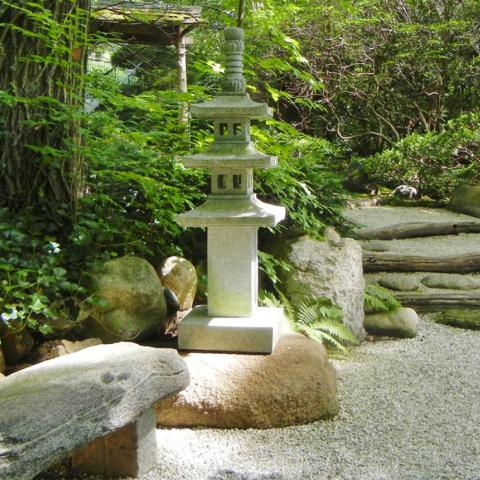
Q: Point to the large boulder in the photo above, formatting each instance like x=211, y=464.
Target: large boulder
x=402, y=322
x=128, y=300
x=322, y=269
x=295, y=384
x=466, y=199
x=62, y=404
x=179, y=275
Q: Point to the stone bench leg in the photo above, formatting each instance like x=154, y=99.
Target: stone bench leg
x=130, y=451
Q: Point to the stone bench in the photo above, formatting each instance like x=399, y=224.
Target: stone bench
x=103, y=394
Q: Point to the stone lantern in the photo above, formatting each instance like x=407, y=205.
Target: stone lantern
x=232, y=320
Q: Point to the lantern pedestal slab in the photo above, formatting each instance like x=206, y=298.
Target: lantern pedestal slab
x=258, y=333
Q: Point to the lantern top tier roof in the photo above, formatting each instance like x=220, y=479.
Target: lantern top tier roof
x=231, y=112
x=233, y=102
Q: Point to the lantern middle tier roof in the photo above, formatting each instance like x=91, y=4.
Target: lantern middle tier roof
x=231, y=155
x=228, y=105
x=232, y=210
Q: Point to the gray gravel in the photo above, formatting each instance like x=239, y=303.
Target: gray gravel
x=410, y=409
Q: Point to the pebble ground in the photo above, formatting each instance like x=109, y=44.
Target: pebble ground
x=410, y=409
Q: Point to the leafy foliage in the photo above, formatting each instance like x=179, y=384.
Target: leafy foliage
x=35, y=289
x=316, y=318
x=434, y=163
x=379, y=299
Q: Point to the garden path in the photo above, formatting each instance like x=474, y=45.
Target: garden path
x=409, y=410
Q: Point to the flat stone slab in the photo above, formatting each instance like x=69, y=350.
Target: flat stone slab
x=62, y=404
x=383, y=216
x=256, y=334
x=294, y=385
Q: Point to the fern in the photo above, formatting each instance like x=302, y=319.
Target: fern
x=379, y=299
x=321, y=320
x=316, y=318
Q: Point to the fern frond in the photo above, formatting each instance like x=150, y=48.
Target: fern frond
x=379, y=299
x=325, y=338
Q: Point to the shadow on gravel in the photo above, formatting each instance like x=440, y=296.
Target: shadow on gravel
x=233, y=475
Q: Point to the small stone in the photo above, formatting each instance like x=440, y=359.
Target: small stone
x=56, y=348
x=403, y=323
x=402, y=283
x=173, y=305
x=295, y=384
x=16, y=344
x=2, y=361
x=179, y=275
x=451, y=281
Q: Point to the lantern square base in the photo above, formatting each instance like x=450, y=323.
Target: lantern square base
x=258, y=333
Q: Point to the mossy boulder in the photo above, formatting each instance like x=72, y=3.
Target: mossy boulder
x=466, y=199
x=402, y=322
x=127, y=300
x=469, y=319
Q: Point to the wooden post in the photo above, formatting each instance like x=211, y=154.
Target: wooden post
x=182, y=87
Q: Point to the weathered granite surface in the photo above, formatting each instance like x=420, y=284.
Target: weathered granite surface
x=179, y=275
x=295, y=384
x=62, y=404
x=321, y=269
x=131, y=300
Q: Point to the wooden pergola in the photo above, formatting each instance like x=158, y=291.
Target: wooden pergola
x=149, y=23
x=134, y=21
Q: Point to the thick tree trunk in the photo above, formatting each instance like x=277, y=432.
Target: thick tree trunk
x=388, y=262
x=42, y=62
x=418, y=229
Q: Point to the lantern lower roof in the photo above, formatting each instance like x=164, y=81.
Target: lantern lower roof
x=231, y=155
x=232, y=210
x=230, y=106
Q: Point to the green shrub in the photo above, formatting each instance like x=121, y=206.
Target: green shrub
x=435, y=163
x=305, y=181
x=36, y=289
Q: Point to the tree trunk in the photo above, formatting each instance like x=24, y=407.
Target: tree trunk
x=418, y=229
x=42, y=62
x=388, y=262
x=439, y=301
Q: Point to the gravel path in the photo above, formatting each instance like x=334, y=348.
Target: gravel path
x=410, y=409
